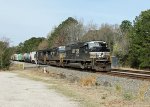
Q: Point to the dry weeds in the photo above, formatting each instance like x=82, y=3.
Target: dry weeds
x=88, y=81
x=142, y=91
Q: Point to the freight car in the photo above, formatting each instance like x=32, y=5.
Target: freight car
x=33, y=57
x=20, y=57
x=26, y=57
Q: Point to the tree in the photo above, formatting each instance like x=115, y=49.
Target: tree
x=43, y=45
x=125, y=26
x=29, y=45
x=121, y=43
x=91, y=35
x=61, y=35
x=90, y=32
x=5, y=53
x=104, y=33
x=140, y=41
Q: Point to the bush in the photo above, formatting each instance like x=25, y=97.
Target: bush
x=5, y=54
x=128, y=96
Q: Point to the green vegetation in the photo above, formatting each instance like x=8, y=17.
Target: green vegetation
x=121, y=45
x=29, y=45
x=5, y=54
x=128, y=96
x=139, y=53
x=118, y=88
x=60, y=35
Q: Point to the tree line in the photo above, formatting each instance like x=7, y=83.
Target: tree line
x=129, y=41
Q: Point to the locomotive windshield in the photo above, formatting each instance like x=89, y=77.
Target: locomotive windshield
x=61, y=48
x=97, y=46
x=93, y=44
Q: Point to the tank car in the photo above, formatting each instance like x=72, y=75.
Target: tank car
x=27, y=57
x=33, y=57
x=20, y=57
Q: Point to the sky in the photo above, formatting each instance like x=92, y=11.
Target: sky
x=22, y=19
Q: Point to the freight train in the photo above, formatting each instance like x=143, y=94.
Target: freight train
x=93, y=55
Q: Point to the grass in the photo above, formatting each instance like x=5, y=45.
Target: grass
x=16, y=67
x=142, y=91
x=118, y=88
x=128, y=96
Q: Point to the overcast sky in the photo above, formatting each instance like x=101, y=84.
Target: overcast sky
x=23, y=19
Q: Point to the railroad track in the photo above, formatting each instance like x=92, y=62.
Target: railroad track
x=132, y=71
x=136, y=74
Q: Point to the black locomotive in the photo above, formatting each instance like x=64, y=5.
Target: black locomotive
x=86, y=55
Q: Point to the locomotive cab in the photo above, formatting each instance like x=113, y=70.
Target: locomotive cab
x=98, y=49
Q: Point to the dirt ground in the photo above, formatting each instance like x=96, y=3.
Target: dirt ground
x=21, y=92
